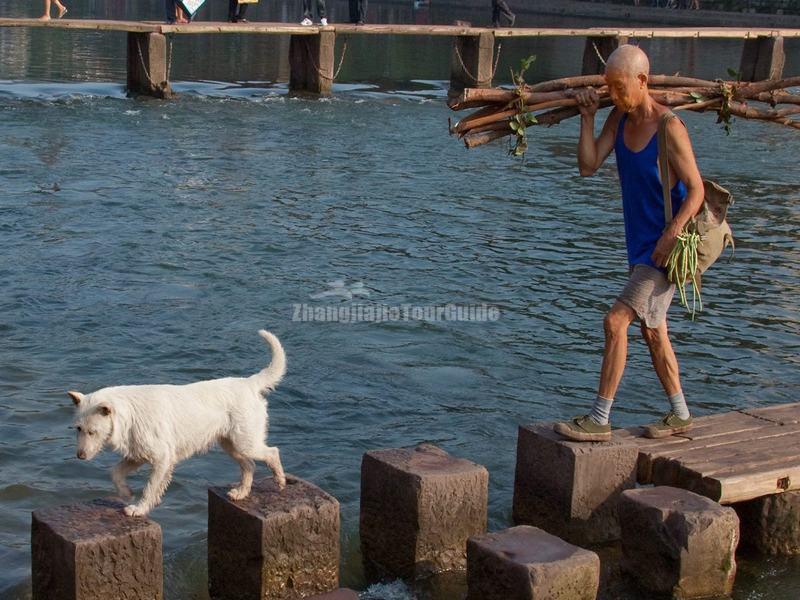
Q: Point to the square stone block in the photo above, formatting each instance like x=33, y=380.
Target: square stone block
x=571, y=489
x=771, y=524
x=93, y=551
x=274, y=544
x=527, y=563
x=340, y=594
x=678, y=543
x=418, y=508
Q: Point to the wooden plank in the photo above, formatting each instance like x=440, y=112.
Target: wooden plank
x=784, y=414
x=657, y=32
x=708, y=462
x=708, y=448
x=90, y=24
x=743, y=485
x=204, y=27
x=739, y=476
x=708, y=427
x=746, y=485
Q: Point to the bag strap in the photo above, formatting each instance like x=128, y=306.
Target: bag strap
x=663, y=164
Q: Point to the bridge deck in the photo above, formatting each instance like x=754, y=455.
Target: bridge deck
x=206, y=27
x=728, y=457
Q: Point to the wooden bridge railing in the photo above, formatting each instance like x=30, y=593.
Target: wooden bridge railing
x=311, y=55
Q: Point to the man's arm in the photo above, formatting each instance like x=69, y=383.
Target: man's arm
x=592, y=152
x=683, y=164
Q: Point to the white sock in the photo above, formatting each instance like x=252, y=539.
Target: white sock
x=601, y=410
x=679, y=407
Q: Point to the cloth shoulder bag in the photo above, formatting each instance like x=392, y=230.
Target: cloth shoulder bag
x=710, y=222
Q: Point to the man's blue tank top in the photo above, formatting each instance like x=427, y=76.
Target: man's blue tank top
x=642, y=199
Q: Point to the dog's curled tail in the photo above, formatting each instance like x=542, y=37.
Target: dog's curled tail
x=271, y=375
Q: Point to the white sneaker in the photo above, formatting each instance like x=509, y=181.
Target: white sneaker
x=323, y=22
x=306, y=22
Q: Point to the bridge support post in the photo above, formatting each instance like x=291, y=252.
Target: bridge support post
x=311, y=63
x=762, y=58
x=472, y=62
x=148, y=65
x=604, y=46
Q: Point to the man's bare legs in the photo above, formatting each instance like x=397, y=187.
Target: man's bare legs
x=594, y=427
x=663, y=357
x=615, y=354
x=61, y=10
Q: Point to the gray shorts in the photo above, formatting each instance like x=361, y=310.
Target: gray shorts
x=649, y=293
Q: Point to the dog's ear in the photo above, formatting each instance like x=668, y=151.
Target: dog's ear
x=104, y=409
x=76, y=397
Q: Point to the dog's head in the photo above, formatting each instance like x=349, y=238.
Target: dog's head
x=93, y=422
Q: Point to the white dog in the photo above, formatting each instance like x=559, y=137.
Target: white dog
x=165, y=424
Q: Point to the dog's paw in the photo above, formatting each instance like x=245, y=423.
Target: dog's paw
x=238, y=494
x=281, y=481
x=134, y=510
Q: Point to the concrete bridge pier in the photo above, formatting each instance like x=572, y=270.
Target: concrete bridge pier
x=472, y=62
x=149, y=58
x=762, y=58
x=596, y=51
x=311, y=63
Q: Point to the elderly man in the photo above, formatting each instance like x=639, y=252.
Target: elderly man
x=631, y=131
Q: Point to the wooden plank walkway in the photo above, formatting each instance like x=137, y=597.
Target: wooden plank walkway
x=206, y=27
x=730, y=457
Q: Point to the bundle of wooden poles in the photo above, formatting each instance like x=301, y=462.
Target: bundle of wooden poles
x=503, y=112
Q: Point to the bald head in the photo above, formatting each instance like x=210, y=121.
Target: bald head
x=630, y=60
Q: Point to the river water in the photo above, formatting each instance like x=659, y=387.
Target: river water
x=147, y=241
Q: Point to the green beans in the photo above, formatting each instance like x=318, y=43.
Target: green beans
x=682, y=269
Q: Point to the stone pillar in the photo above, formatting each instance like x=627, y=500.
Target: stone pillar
x=762, y=58
x=771, y=524
x=148, y=65
x=311, y=63
x=93, y=551
x=340, y=594
x=678, y=543
x=571, y=489
x=592, y=65
x=418, y=508
x=525, y=562
x=274, y=544
x=472, y=62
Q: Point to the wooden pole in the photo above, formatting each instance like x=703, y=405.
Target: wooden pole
x=148, y=65
x=762, y=58
x=311, y=63
x=472, y=62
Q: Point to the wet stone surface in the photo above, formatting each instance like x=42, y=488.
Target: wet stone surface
x=525, y=562
x=571, y=489
x=340, y=594
x=94, y=551
x=771, y=524
x=678, y=543
x=418, y=508
x=274, y=544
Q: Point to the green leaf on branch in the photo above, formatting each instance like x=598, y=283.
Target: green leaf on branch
x=523, y=118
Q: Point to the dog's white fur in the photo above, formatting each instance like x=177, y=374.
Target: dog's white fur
x=165, y=424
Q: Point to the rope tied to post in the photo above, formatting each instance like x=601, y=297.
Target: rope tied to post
x=145, y=70
x=317, y=67
x=469, y=73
